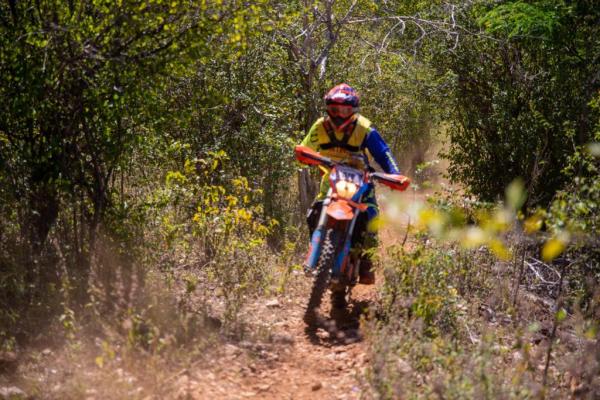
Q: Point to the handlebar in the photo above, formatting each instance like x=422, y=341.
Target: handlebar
x=306, y=155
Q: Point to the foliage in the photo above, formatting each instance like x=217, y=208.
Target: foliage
x=146, y=179
x=399, y=93
x=522, y=19
x=101, y=101
x=78, y=79
x=422, y=284
x=450, y=327
x=423, y=349
x=520, y=99
x=575, y=209
x=577, y=206
x=220, y=230
x=409, y=364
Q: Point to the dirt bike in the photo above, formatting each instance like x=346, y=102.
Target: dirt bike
x=329, y=257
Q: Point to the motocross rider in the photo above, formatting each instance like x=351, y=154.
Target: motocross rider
x=339, y=134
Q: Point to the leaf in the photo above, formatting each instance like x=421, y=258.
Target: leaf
x=561, y=315
x=533, y=223
x=591, y=332
x=500, y=221
x=99, y=361
x=473, y=237
x=433, y=220
x=554, y=247
x=175, y=178
x=3, y=137
x=375, y=224
x=534, y=327
x=499, y=249
x=516, y=194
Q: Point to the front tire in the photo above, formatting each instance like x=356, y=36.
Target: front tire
x=324, y=267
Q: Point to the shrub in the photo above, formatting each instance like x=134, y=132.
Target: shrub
x=520, y=104
x=213, y=224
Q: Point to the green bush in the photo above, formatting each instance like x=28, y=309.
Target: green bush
x=521, y=95
x=217, y=228
x=418, y=284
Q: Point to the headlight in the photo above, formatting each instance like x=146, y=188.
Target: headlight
x=345, y=189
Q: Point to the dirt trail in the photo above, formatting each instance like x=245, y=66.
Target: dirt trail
x=291, y=364
x=279, y=360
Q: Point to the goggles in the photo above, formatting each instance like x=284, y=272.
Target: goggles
x=337, y=110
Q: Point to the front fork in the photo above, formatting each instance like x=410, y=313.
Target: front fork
x=343, y=257
x=316, y=242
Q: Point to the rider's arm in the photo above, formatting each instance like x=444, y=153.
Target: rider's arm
x=381, y=152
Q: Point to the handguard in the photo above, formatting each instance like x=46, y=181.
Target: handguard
x=393, y=181
x=308, y=156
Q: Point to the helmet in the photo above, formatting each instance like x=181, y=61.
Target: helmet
x=342, y=103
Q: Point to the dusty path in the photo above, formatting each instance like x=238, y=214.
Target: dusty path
x=279, y=359
x=289, y=364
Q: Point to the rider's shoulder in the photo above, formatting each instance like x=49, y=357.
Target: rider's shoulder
x=364, y=121
x=316, y=127
x=319, y=122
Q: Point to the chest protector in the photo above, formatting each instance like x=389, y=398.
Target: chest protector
x=340, y=144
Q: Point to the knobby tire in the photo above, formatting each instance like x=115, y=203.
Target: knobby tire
x=324, y=266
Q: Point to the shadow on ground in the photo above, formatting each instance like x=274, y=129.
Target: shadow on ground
x=341, y=328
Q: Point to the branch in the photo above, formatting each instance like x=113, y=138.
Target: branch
x=349, y=12
x=419, y=39
x=532, y=267
x=442, y=26
x=385, y=38
x=378, y=50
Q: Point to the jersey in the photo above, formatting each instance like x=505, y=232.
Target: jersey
x=360, y=137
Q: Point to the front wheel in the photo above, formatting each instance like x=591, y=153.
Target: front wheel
x=339, y=291
x=331, y=244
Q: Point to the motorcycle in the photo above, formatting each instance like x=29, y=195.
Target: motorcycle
x=329, y=258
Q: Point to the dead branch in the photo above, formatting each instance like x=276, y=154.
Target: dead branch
x=535, y=265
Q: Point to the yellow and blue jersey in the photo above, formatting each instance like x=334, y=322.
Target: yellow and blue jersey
x=364, y=138
x=338, y=145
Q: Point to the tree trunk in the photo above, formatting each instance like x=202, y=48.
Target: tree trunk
x=307, y=189
x=40, y=216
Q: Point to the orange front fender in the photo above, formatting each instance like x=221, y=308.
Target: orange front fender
x=340, y=210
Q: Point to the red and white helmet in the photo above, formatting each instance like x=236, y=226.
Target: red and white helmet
x=342, y=94
x=342, y=103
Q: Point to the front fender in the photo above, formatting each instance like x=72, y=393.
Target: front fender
x=340, y=210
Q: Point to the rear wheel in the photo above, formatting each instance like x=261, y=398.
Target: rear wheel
x=324, y=266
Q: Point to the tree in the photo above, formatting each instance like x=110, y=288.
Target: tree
x=78, y=80
x=522, y=92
